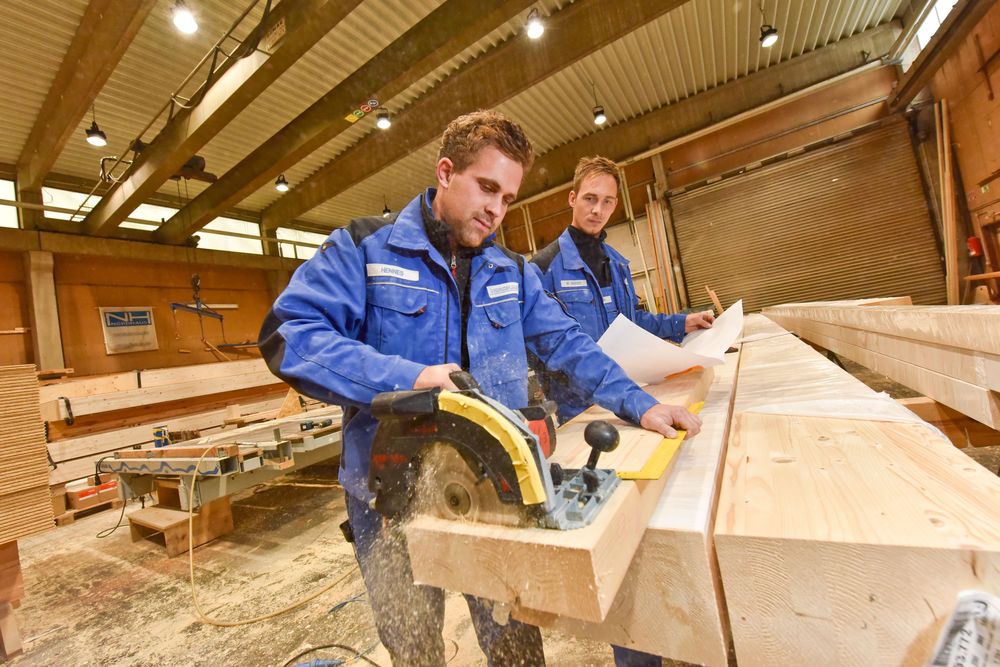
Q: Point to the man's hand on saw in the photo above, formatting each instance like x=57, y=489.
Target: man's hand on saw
x=437, y=376
x=662, y=418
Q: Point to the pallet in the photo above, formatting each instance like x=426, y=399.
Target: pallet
x=71, y=515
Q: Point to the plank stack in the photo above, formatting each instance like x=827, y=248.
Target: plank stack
x=846, y=527
x=25, y=506
x=948, y=353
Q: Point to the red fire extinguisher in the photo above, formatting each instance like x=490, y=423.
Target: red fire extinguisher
x=975, y=246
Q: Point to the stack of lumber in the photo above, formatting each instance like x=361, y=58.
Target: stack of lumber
x=25, y=505
x=846, y=527
x=572, y=573
x=948, y=353
x=121, y=411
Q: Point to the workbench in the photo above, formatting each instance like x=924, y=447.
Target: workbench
x=218, y=466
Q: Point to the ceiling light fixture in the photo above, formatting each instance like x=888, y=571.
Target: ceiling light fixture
x=95, y=137
x=600, y=118
x=535, y=26
x=386, y=211
x=768, y=33
x=383, y=122
x=183, y=18
x=281, y=185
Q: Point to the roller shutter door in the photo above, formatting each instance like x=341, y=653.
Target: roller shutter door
x=844, y=222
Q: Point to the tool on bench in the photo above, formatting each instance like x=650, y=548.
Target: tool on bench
x=310, y=424
x=462, y=455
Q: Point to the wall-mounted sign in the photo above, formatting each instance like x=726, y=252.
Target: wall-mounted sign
x=128, y=329
x=360, y=112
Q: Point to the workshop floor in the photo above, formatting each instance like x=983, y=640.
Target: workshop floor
x=110, y=601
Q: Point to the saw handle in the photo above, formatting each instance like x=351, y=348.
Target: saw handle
x=464, y=380
x=602, y=437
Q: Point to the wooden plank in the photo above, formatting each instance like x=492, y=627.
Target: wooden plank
x=86, y=405
x=574, y=573
x=673, y=581
x=981, y=404
x=968, y=327
x=843, y=541
x=978, y=368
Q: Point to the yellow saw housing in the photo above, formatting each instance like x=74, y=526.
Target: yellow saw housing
x=528, y=477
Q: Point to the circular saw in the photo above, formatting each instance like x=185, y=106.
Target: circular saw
x=461, y=455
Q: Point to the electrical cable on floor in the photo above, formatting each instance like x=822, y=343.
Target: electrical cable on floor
x=107, y=531
x=194, y=589
x=358, y=655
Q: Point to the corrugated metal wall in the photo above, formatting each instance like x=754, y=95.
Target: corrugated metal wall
x=847, y=221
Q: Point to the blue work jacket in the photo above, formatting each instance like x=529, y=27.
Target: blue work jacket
x=378, y=303
x=570, y=280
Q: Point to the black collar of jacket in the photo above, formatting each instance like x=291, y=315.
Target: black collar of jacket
x=438, y=234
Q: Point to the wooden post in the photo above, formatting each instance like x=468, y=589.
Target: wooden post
x=950, y=231
x=46, y=335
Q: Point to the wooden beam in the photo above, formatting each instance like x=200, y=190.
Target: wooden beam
x=843, y=541
x=78, y=244
x=436, y=39
x=241, y=81
x=673, y=581
x=46, y=335
x=496, y=76
x=976, y=368
x=574, y=573
x=962, y=431
x=967, y=327
x=104, y=34
x=704, y=110
x=963, y=17
x=977, y=402
x=87, y=405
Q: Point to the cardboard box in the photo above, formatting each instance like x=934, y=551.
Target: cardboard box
x=88, y=494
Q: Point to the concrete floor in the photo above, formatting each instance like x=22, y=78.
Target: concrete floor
x=110, y=601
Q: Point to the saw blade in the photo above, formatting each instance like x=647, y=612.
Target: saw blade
x=447, y=488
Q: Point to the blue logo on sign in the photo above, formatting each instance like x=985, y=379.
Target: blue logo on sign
x=128, y=318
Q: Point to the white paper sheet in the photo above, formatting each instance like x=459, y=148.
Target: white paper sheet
x=648, y=359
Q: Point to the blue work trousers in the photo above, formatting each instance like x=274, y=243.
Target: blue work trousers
x=410, y=618
x=628, y=657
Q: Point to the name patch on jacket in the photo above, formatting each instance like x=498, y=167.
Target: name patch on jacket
x=503, y=289
x=607, y=298
x=573, y=283
x=390, y=271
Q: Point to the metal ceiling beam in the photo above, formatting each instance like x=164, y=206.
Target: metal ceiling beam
x=631, y=138
x=104, y=34
x=443, y=34
x=963, y=17
x=496, y=76
x=304, y=23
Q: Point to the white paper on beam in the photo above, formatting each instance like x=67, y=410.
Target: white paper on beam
x=648, y=359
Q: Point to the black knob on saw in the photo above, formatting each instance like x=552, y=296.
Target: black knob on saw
x=602, y=437
x=463, y=380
